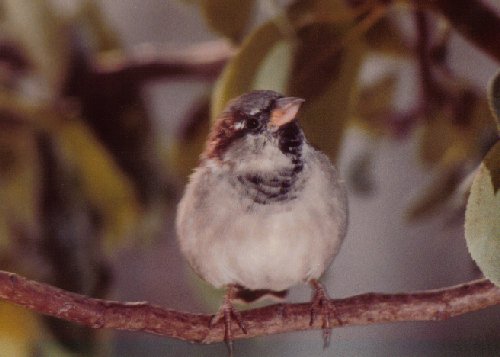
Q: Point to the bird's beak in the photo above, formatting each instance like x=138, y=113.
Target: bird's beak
x=285, y=111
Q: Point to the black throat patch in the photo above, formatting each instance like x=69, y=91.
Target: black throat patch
x=284, y=184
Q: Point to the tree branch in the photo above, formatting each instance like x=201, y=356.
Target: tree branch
x=366, y=309
x=203, y=61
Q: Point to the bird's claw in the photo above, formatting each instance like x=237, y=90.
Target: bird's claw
x=323, y=305
x=227, y=312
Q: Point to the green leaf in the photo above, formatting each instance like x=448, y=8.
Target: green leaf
x=228, y=17
x=274, y=71
x=494, y=97
x=42, y=33
x=239, y=74
x=482, y=217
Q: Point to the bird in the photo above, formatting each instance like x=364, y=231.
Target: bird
x=264, y=210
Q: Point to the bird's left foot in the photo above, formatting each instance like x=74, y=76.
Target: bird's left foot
x=228, y=313
x=322, y=305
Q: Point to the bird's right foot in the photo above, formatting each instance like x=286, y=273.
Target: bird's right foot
x=228, y=313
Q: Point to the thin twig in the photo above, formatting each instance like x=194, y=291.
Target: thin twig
x=366, y=309
x=147, y=62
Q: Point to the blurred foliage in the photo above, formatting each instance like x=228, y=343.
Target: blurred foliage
x=79, y=169
x=19, y=188
x=18, y=331
x=184, y=152
x=81, y=172
x=227, y=17
x=42, y=33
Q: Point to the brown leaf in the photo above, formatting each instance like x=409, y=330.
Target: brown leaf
x=376, y=99
x=324, y=73
x=317, y=60
x=386, y=37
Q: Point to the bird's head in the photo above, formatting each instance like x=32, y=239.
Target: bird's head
x=258, y=126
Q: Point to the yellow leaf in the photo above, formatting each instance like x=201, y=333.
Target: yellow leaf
x=482, y=217
x=103, y=183
x=19, y=331
x=239, y=74
x=228, y=17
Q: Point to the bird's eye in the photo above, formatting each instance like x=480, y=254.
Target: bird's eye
x=252, y=123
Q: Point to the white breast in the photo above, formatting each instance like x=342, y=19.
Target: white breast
x=272, y=246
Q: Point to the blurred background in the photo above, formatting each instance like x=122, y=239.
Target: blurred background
x=105, y=106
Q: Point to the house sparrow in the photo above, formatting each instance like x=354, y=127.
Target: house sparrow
x=264, y=210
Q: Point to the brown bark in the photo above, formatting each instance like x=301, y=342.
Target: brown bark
x=363, y=309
